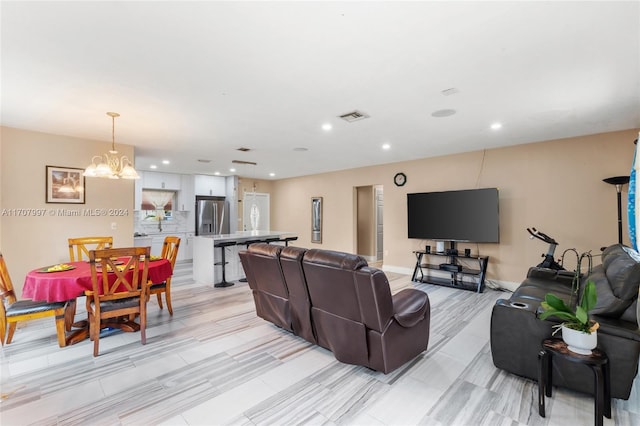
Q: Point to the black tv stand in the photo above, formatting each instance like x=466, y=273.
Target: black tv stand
x=455, y=272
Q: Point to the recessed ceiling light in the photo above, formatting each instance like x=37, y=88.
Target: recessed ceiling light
x=386, y=146
x=443, y=113
x=166, y=161
x=153, y=166
x=272, y=174
x=232, y=170
x=216, y=173
x=327, y=126
x=496, y=126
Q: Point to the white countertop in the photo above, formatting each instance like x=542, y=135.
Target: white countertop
x=247, y=235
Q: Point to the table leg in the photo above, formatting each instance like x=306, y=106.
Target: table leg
x=607, y=390
x=69, y=317
x=542, y=374
x=599, y=405
x=69, y=314
x=415, y=270
x=81, y=331
x=549, y=372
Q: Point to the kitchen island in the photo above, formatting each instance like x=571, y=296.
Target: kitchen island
x=205, y=255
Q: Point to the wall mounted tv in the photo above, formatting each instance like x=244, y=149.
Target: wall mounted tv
x=467, y=215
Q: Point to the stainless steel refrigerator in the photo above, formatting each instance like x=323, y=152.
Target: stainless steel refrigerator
x=212, y=215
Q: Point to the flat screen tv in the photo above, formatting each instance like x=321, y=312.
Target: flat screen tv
x=467, y=215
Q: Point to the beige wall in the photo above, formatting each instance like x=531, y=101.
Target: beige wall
x=28, y=242
x=555, y=186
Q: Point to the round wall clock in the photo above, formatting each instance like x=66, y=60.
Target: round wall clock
x=400, y=179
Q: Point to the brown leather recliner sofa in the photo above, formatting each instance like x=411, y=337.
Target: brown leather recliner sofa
x=337, y=301
x=517, y=332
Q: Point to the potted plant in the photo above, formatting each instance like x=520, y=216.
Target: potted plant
x=578, y=331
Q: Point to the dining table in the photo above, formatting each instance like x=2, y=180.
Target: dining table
x=66, y=285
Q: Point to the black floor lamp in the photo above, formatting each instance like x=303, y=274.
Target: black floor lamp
x=618, y=181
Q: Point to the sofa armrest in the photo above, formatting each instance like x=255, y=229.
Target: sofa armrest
x=410, y=307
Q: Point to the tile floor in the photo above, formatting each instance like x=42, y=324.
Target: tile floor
x=214, y=362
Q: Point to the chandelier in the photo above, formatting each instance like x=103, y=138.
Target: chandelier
x=110, y=165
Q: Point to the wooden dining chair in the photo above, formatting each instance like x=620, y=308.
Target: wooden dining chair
x=81, y=246
x=13, y=310
x=170, y=252
x=119, y=291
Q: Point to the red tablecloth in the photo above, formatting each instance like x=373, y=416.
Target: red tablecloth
x=67, y=285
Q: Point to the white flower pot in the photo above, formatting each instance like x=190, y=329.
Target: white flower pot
x=578, y=341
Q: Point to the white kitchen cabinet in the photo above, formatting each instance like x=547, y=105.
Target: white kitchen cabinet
x=156, y=244
x=154, y=180
x=188, y=246
x=186, y=195
x=142, y=241
x=182, y=253
x=210, y=185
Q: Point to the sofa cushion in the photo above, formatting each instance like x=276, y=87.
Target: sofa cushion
x=335, y=259
x=622, y=266
x=617, y=281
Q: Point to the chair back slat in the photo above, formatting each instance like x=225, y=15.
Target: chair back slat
x=79, y=247
x=170, y=249
x=128, y=276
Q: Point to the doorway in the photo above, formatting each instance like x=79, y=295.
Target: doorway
x=369, y=222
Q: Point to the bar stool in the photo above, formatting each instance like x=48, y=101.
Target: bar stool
x=223, y=262
x=272, y=240
x=247, y=243
x=287, y=240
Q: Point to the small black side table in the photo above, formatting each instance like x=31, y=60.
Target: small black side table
x=597, y=361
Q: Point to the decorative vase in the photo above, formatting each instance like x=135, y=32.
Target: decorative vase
x=578, y=341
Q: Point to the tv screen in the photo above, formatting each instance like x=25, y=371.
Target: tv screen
x=467, y=215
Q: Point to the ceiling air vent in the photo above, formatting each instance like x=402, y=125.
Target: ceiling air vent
x=243, y=149
x=244, y=162
x=353, y=116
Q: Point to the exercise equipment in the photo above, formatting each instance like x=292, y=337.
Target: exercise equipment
x=548, y=262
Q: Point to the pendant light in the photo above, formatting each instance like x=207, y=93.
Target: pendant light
x=110, y=165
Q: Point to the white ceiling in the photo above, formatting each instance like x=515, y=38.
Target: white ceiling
x=197, y=80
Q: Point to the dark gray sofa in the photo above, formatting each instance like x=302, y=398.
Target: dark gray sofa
x=517, y=332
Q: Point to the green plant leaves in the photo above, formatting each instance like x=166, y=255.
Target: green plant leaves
x=581, y=315
x=589, y=297
x=578, y=320
x=556, y=303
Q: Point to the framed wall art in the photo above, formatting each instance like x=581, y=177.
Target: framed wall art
x=65, y=185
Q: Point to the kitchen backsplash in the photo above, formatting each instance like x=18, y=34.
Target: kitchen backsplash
x=180, y=221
